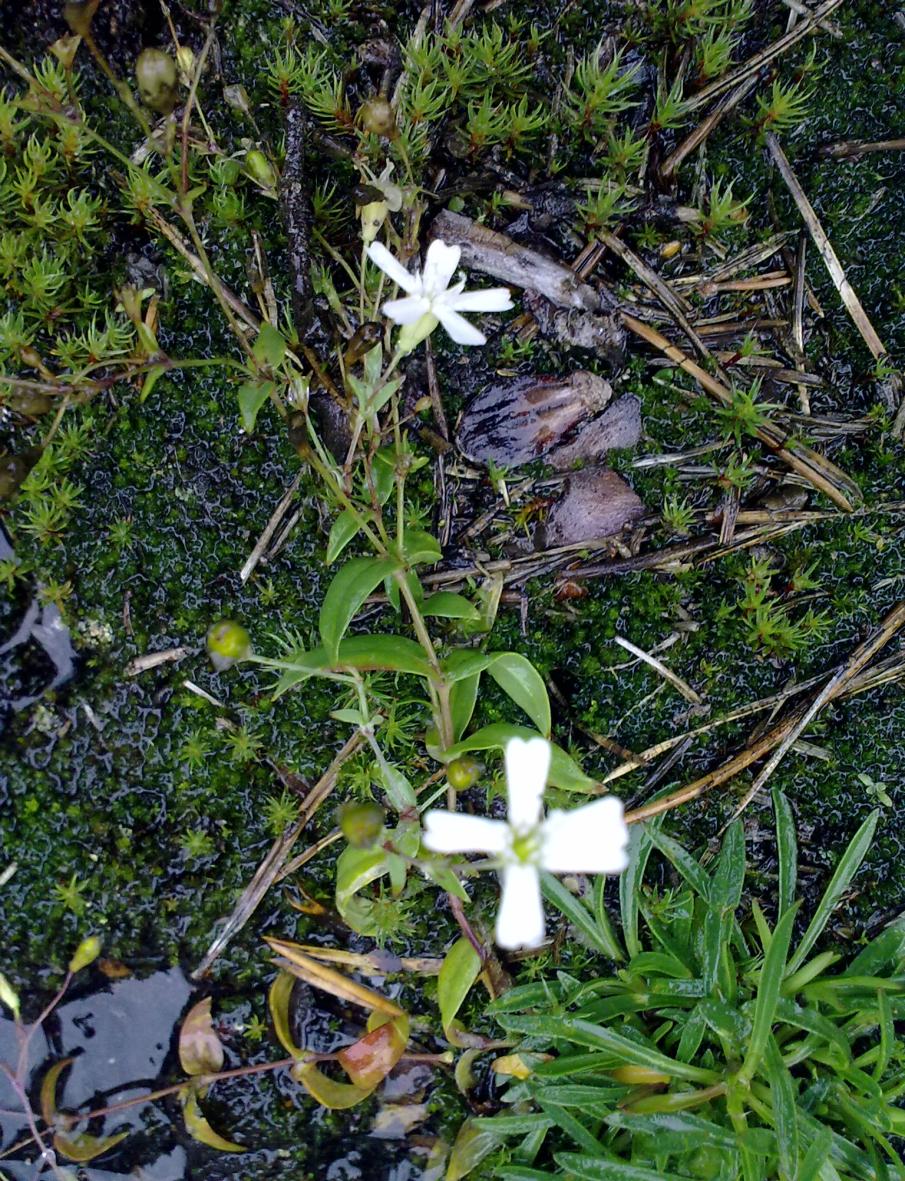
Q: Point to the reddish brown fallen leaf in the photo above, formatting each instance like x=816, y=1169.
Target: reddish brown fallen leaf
x=368, y=1061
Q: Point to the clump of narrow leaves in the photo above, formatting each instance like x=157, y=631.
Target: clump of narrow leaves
x=722, y=1046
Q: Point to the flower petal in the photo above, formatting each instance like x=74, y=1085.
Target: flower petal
x=527, y=764
x=591, y=839
x=406, y=311
x=455, y=832
x=440, y=264
x=381, y=257
x=457, y=326
x=520, y=922
x=488, y=299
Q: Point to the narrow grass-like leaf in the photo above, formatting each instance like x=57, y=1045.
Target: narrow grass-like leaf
x=690, y=870
x=602, y=940
x=812, y=1164
x=639, y=850
x=783, y=1098
x=597, y=1037
x=787, y=850
x=588, y=1168
x=846, y=869
x=885, y=951
x=573, y=1128
x=768, y=989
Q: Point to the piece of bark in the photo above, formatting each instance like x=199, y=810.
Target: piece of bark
x=517, y=421
x=599, y=331
x=498, y=255
x=596, y=504
x=618, y=426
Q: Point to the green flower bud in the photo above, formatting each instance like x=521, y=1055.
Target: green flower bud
x=79, y=14
x=86, y=953
x=227, y=643
x=260, y=170
x=155, y=73
x=361, y=822
x=463, y=772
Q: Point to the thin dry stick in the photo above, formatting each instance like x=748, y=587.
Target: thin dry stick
x=846, y=674
x=676, y=305
x=785, y=731
x=684, y=688
x=268, y=871
x=269, y=529
x=759, y=60
x=857, y=147
x=707, y=126
x=816, y=469
x=827, y=253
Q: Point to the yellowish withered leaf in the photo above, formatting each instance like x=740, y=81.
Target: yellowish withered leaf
x=49, y=1090
x=200, y=1049
x=278, y=1000
x=197, y=1126
x=327, y=1091
x=81, y=1147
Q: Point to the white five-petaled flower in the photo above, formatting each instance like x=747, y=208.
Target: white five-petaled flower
x=590, y=839
x=430, y=300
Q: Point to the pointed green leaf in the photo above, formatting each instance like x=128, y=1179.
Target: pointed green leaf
x=345, y=527
x=787, y=850
x=460, y=969
x=602, y=940
x=639, y=850
x=564, y=771
x=848, y=866
x=347, y=592
x=768, y=990
x=472, y=1144
x=270, y=347
x=446, y=605
x=252, y=396
x=783, y=1097
x=520, y=680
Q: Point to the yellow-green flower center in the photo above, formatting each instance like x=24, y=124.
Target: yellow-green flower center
x=526, y=847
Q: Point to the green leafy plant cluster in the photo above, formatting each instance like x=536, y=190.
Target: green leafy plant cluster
x=725, y=1045
x=765, y=611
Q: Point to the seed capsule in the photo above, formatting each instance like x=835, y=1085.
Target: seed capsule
x=155, y=73
x=361, y=822
x=378, y=117
x=227, y=643
x=463, y=773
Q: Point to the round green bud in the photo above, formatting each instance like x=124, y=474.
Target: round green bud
x=361, y=822
x=260, y=169
x=227, y=643
x=156, y=75
x=463, y=772
x=86, y=953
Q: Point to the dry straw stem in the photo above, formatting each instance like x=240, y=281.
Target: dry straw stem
x=857, y=147
x=861, y=657
x=816, y=469
x=295, y=960
x=847, y=680
x=827, y=253
x=707, y=126
x=270, y=868
x=684, y=688
x=756, y=63
x=269, y=529
x=676, y=305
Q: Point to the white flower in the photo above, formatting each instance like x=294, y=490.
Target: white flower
x=430, y=300
x=590, y=839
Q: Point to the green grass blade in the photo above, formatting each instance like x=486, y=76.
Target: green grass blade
x=787, y=850
x=639, y=850
x=782, y=1094
x=768, y=989
x=839, y=883
x=600, y=938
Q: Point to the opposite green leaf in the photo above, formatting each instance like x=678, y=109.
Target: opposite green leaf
x=460, y=969
x=252, y=396
x=520, y=680
x=345, y=596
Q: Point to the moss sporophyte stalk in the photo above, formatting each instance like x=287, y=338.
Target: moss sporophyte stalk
x=326, y=672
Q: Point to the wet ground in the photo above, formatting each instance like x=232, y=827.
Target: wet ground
x=131, y=808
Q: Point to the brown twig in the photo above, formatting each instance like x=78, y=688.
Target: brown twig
x=707, y=126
